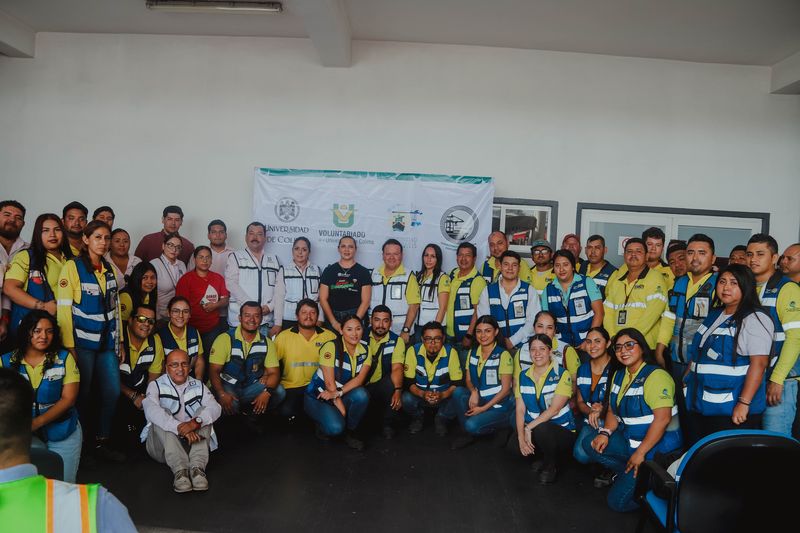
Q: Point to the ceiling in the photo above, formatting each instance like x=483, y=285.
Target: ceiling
x=748, y=32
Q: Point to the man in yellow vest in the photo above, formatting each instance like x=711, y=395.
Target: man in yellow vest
x=30, y=502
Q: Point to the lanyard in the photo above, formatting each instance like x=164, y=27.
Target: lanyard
x=169, y=273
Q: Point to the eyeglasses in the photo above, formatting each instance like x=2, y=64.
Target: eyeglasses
x=627, y=346
x=540, y=252
x=180, y=311
x=141, y=319
x=178, y=365
x=433, y=339
x=172, y=246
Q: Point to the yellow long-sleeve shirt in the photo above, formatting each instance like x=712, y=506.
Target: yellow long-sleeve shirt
x=788, y=308
x=638, y=304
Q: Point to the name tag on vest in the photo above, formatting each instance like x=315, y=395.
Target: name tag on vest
x=622, y=317
x=396, y=292
x=519, y=309
x=491, y=376
x=580, y=307
x=464, y=302
x=701, y=307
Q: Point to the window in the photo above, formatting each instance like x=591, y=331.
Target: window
x=524, y=221
x=619, y=222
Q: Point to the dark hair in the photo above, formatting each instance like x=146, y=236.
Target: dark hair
x=217, y=222
x=172, y=209
x=95, y=225
x=74, y=205
x=544, y=312
x=432, y=325
x=749, y=303
x=173, y=235
x=13, y=203
x=88, y=230
x=16, y=399
x=250, y=303
x=104, y=208
x=471, y=247
x=134, y=286
x=702, y=237
x=567, y=254
x=37, y=251
x=257, y=224
x=390, y=242
x=23, y=338
x=763, y=238
x=738, y=248
x=541, y=337
x=199, y=249
x=638, y=336
x=355, y=243
x=141, y=307
x=305, y=240
x=676, y=246
x=512, y=254
x=380, y=308
x=596, y=237
x=119, y=230
x=654, y=233
x=635, y=240
x=306, y=302
x=176, y=299
x=437, y=270
x=601, y=331
x=492, y=321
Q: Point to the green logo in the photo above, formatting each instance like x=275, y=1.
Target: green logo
x=343, y=215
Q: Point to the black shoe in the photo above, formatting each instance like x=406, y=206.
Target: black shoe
x=415, y=426
x=353, y=442
x=604, y=479
x=388, y=432
x=253, y=424
x=537, y=465
x=440, y=426
x=501, y=437
x=320, y=435
x=547, y=475
x=462, y=441
x=104, y=453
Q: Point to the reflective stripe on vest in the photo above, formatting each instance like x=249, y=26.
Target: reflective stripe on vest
x=94, y=319
x=636, y=416
x=429, y=301
x=574, y=321
x=342, y=369
x=136, y=377
x=584, y=384
x=37, y=286
x=299, y=285
x=71, y=508
x=769, y=299
x=249, y=370
x=462, y=306
x=536, y=405
x=170, y=343
x=717, y=374
x=509, y=320
x=487, y=390
x=440, y=380
x=168, y=396
x=257, y=280
x=392, y=295
x=601, y=278
x=688, y=317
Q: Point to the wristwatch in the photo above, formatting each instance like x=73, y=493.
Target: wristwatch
x=198, y=421
x=405, y=330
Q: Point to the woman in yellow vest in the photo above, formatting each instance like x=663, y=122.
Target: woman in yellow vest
x=140, y=290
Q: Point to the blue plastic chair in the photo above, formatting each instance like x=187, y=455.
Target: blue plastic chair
x=727, y=482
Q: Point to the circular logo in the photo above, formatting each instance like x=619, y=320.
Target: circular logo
x=328, y=355
x=459, y=224
x=62, y=283
x=287, y=209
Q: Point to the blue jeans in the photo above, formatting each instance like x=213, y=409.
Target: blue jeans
x=483, y=423
x=615, y=457
x=780, y=417
x=415, y=406
x=586, y=435
x=329, y=418
x=246, y=394
x=104, y=367
x=69, y=449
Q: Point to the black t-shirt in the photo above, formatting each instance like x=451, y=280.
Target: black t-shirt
x=345, y=285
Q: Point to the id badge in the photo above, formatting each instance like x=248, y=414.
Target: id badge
x=580, y=307
x=622, y=317
x=396, y=292
x=464, y=302
x=519, y=309
x=491, y=376
x=701, y=307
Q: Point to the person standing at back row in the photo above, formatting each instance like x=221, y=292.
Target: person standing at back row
x=345, y=286
x=396, y=288
x=149, y=247
x=252, y=275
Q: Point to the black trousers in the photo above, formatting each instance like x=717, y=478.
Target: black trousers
x=552, y=443
x=701, y=426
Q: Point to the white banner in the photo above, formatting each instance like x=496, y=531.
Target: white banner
x=415, y=209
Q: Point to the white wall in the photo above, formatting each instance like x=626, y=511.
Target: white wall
x=142, y=121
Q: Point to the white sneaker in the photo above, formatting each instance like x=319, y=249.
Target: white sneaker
x=199, y=480
x=181, y=483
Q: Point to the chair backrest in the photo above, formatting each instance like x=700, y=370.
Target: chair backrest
x=735, y=481
x=48, y=463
